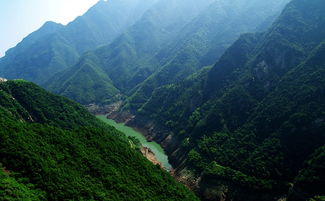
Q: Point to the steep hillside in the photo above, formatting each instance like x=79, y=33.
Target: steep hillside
x=52, y=149
x=249, y=127
x=55, y=47
x=172, y=40
x=86, y=82
x=250, y=124
x=12, y=189
x=204, y=40
x=129, y=59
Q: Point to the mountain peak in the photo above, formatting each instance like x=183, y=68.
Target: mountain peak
x=51, y=26
x=98, y=4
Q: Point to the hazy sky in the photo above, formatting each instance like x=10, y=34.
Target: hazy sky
x=18, y=18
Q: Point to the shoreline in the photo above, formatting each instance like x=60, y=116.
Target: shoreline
x=147, y=153
x=182, y=176
x=144, y=150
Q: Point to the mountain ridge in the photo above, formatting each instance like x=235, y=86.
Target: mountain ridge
x=52, y=148
x=243, y=104
x=146, y=57
x=43, y=54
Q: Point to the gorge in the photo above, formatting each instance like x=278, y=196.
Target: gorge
x=158, y=155
x=226, y=97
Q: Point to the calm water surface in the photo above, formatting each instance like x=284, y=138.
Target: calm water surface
x=155, y=147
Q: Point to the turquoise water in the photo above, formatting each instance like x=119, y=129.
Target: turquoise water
x=155, y=147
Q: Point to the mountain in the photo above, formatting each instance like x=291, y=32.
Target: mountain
x=251, y=127
x=129, y=59
x=205, y=39
x=52, y=148
x=86, y=82
x=240, y=115
x=170, y=42
x=55, y=47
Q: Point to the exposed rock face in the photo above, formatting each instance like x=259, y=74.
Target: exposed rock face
x=104, y=109
x=146, y=152
x=153, y=132
x=150, y=129
x=187, y=178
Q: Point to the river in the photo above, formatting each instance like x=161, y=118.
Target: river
x=155, y=147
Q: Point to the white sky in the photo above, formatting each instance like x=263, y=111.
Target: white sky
x=18, y=18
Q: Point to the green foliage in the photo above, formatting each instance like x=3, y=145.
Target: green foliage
x=161, y=48
x=318, y=198
x=131, y=58
x=61, y=152
x=253, y=123
x=55, y=47
x=311, y=178
x=203, y=41
x=259, y=112
x=12, y=189
x=87, y=83
x=217, y=172
x=134, y=142
x=31, y=103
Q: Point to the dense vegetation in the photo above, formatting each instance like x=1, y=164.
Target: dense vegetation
x=52, y=149
x=12, y=189
x=204, y=40
x=130, y=58
x=251, y=123
x=164, y=46
x=55, y=47
x=249, y=127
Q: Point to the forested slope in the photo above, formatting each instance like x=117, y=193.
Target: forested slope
x=52, y=149
x=251, y=123
x=55, y=47
x=204, y=40
x=171, y=41
x=129, y=59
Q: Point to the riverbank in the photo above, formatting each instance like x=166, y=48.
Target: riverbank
x=152, y=132
x=146, y=152
x=151, y=150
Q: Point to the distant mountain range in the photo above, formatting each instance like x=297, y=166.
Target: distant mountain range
x=164, y=46
x=55, y=47
x=233, y=90
x=253, y=124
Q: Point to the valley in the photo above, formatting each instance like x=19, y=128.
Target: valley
x=168, y=100
x=158, y=155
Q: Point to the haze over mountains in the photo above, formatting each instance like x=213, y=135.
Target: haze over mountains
x=163, y=40
x=233, y=90
x=55, y=47
x=262, y=99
